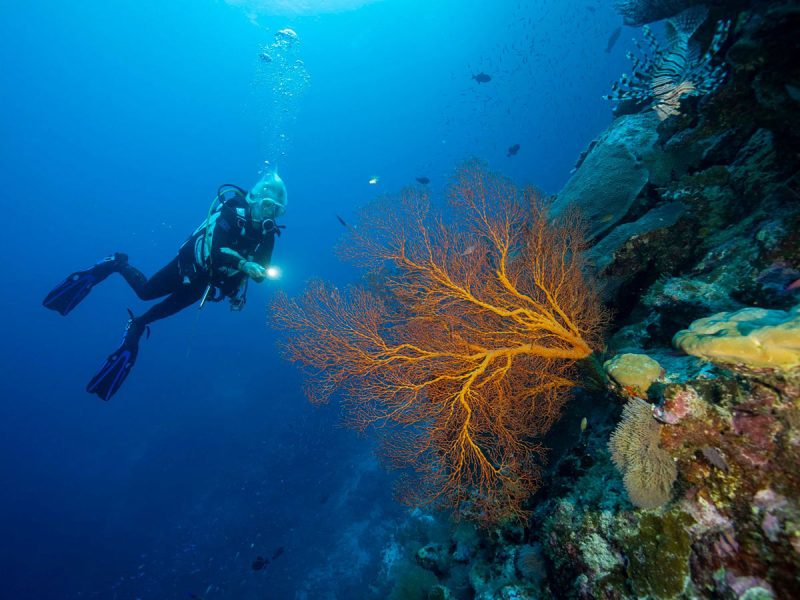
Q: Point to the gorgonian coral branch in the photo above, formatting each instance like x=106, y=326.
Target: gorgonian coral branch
x=463, y=349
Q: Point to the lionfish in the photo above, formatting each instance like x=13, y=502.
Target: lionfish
x=661, y=77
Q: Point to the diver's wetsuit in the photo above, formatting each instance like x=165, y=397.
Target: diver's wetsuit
x=185, y=278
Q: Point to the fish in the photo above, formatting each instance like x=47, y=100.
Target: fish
x=265, y=57
x=795, y=285
x=482, y=77
x=715, y=457
x=584, y=424
x=612, y=40
x=342, y=221
x=423, y=180
x=277, y=553
x=374, y=179
x=512, y=150
x=259, y=563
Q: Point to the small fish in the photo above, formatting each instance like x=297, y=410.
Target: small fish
x=423, y=180
x=342, y=221
x=374, y=180
x=266, y=58
x=323, y=499
x=613, y=39
x=277, y=553
x=469, y=250
x=259, y=563
x=512, y=150
x=715, y=457
x=482, y=77
x=584, y=424
x=795, y=285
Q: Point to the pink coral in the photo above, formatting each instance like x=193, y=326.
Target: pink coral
x=739, y=585
x=676, y=407
x=772, y=505
x=758, y=432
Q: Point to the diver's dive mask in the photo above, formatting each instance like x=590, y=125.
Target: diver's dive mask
x=262, y=216
x=267, y=199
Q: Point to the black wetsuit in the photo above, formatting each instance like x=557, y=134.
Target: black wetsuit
x=185, y=278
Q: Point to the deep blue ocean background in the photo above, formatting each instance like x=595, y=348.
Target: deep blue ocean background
x=119, y=120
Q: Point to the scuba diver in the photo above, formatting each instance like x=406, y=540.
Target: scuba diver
x=233, y=245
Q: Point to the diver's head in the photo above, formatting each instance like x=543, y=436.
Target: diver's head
x=268, y=198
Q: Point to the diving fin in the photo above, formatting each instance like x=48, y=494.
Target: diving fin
x=119, y=363
x=69, y=293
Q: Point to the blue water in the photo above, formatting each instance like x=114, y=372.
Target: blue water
x=119, y=120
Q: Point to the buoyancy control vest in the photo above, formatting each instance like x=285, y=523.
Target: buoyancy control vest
x=212, y=252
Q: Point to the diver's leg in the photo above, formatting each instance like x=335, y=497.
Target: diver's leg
x=166, y=281
x=175, y=302
x=119, y=363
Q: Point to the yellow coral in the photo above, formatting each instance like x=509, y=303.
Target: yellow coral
x=754, y=337
x=633, y=370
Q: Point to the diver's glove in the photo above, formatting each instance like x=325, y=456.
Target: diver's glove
x=253, y=270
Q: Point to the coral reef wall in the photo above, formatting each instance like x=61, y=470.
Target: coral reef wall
x=695, y=221
x=700, y=255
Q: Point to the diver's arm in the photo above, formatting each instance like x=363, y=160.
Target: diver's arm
x=221, y=253
x=257, y=268
x=252, y=269
x=263, y=253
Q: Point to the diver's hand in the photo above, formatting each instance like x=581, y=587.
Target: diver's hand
x=254, y=270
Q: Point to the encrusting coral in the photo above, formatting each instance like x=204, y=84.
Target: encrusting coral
x=470, y=345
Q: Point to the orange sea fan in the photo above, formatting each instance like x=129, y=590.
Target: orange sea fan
x=462, y=349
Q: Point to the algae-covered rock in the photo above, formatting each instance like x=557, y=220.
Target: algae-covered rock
x=614, y=172
x=637, y=371
x=753, y=337
x=412, y=583
x=487, y=578
x=440, y=592
x=516, y=592
x=466, y=540
x=596, y=553
x=433, y=557
x=662, y=217
x=658, y=555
